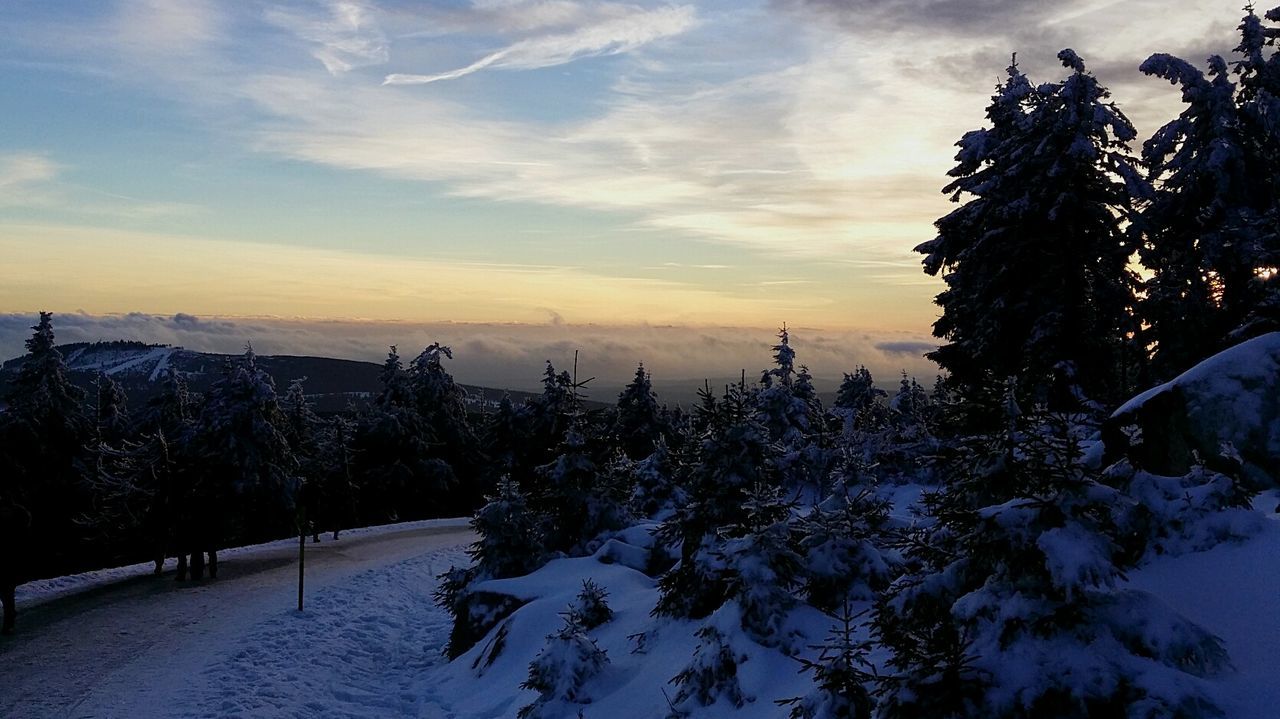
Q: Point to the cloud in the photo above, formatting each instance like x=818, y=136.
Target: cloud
x=346, y=37
x=909, y=347
x=25, y=177
x=510, y=355
x=165, y=27
x=613, y=36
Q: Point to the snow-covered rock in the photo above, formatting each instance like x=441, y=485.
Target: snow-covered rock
x=1228, y=404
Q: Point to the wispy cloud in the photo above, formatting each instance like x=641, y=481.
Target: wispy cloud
x=25, y=178
x=613, y=36
x=346, y=36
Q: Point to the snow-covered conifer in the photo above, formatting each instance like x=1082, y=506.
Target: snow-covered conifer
x=640, y=424
x=568, y=660
x=591, y=608
x=843, y=541
x=111, y=410
x=509, y=543
x=711, y=675
x=1021, y=570
x=843, y=675
x=1036, y=260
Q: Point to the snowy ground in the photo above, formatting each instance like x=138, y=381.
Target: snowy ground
x=121, y=643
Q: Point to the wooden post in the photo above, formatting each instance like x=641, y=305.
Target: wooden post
x=302, y=551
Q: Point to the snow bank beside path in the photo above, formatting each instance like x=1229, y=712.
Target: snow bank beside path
x=45, y=590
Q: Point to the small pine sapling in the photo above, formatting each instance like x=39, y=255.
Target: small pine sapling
x=711, y=675
x=591, y=609
x=568, y=660
x=842, y=674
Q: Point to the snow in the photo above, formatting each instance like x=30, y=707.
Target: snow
x=236, y=646
x=1230, y=398
x=1233, y=591
x=644, y=653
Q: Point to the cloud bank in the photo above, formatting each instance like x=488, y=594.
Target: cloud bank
x=509, y=355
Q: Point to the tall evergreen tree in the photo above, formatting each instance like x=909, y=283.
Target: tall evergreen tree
x=246, y=468
x=1210, y=232
x=441, y=402
x=111, y=410
x=44, y=432
x=1035, y=261
x=639, y=426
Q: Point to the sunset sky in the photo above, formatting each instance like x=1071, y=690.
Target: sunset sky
x=554, y=163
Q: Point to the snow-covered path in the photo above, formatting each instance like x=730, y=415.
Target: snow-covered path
x=147, y=647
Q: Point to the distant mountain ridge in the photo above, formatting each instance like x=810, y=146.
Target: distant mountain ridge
x=332, y=384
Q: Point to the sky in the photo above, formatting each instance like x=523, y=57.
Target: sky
x=558, y=170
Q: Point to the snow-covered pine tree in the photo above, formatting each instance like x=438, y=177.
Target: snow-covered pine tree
x=1036, y=260
x=509, y=543
x=576, y=506
x=1013, y=609
x=568, y=660
x=171, y=409
x=845, y=540
x=160, y=458
x=591, y=607
x=441, y=403
x=760, y=565
x=397, y=474
x=246, y=468
x=843, y=675
x=43, y=434
x=734, y=457
x=656, y=482
x=301, y=429
x=639, y=426
x=787, y=405
x=1210, y=232
x=711, y=675
x=858, y=403
x=335, y=465
x=111, y=410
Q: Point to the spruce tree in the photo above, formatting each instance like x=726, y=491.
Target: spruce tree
x=441, y=403
x=639, y=425
x=1210, y=232
x=1020, y=569
x=44, y=432
x=246, y=468
x=1035, y=260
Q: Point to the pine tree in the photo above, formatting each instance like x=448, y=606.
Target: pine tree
x=441, y=403
x=1210, y=232
x=1021, y=569
x=576, y=505
x=858, y=402
x=111, y=409
x=843, y=675
x=43, y=433
x=396, y=468
x=735, y=459
x=1036, y=261
x=301, y=428
x=509, y=532
x=246, y=468
x=568, y=660
x=639, y=427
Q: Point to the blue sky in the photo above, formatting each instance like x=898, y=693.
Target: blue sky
x=517, y=161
